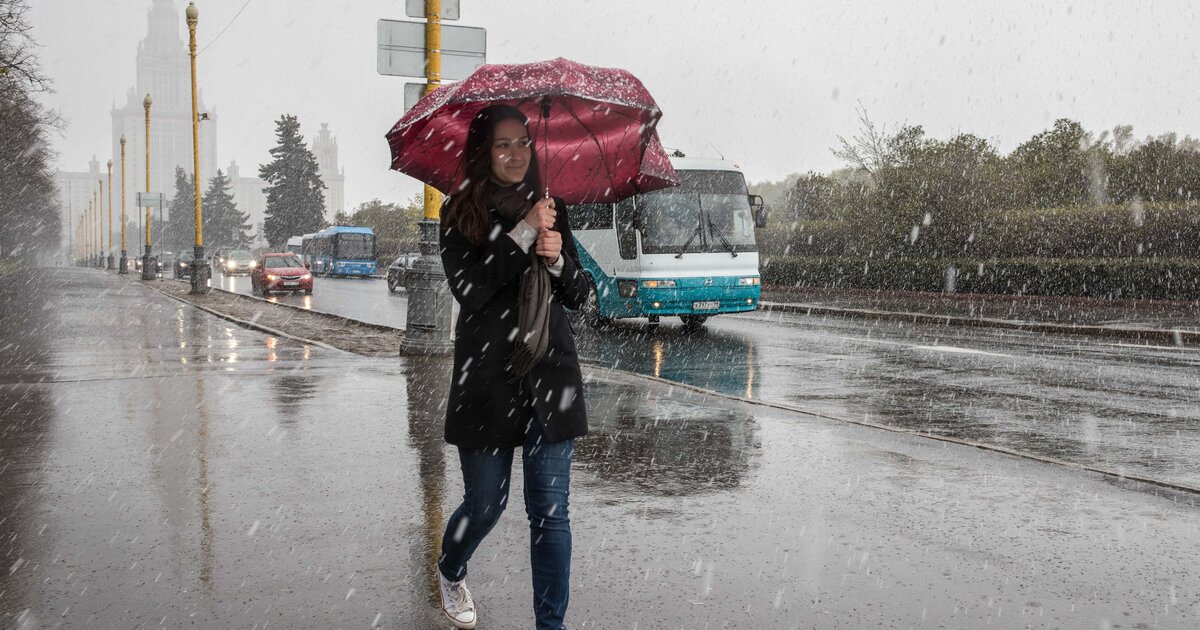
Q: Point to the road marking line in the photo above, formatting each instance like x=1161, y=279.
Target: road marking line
x=950, y=349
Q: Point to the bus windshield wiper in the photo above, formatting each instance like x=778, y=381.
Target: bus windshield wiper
x=699, y=229
x=712, y=226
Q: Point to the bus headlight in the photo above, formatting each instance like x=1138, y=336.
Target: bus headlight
x=658, y=284
x=627, y=288
x=746, y=282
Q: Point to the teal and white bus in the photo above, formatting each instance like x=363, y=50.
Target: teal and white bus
x=686, y=252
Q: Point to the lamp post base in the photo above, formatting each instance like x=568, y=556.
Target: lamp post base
x=123, y=266
x=148, y=264
x=111, y=262
x=427, y=332
x=201, y=272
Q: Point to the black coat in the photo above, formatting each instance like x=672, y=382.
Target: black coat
x=487, y=406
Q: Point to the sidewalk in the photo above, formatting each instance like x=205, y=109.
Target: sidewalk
x=162, y=466
x=1147, y=320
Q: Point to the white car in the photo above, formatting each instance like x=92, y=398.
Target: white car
x=397, y=272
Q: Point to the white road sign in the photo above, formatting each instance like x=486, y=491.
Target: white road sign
x=416, y=9
x=151, y=200
x=401, y=51
x=413, y=93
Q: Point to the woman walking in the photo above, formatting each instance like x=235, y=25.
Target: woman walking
x=512, y=265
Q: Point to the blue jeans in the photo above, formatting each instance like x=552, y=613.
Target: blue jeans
x=486, y=474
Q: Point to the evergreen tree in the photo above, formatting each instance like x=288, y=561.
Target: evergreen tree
x=295, y=197
x=224, y=224
x=179, y=233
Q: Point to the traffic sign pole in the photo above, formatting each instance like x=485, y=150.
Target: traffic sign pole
x=427, y=329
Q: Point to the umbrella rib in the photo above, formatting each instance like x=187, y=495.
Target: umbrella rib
x=595, y=140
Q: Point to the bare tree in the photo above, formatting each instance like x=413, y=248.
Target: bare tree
x=18, y=50
x=870, y=149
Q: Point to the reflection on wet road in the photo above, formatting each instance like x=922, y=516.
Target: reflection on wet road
x=1096, y=402
x=1120, y=406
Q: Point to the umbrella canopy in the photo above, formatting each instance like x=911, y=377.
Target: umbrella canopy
x=593, y=128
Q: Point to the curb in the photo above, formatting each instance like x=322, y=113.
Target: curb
x=340, y=318
x=1175, y=337
x=247, y=324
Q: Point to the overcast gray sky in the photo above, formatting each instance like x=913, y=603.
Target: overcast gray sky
x=770, y=84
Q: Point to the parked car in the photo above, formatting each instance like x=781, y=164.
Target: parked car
x=397, y=272
x=166, y=261
x=238, y=261
x=183, y=267
x=282, y=271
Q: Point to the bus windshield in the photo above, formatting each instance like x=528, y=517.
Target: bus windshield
x=708, y=212
x=355, y=246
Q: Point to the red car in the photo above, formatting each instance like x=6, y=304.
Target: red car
x=280, y=272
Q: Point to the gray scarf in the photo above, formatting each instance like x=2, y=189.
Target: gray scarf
x=533, y=316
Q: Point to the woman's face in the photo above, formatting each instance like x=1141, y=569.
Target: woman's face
x=510, y=152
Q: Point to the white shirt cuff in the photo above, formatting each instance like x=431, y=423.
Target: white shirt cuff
x=557, y=268
x=523, y=235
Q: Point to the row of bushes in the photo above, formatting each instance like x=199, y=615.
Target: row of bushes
x=1153, y=279
x=1113, y=231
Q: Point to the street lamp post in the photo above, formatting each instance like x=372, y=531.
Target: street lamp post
x=427, y=331
x=100, y=223
x=111, y=262
x=147, y=272
x=87, y=236
x=200, y=268
x=98, y=250
x=124, y=263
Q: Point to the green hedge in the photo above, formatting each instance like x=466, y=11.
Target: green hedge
x=1165, y=230
x=1138, y=278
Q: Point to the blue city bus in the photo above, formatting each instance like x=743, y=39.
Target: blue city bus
x=342, y=250
x=687, y=251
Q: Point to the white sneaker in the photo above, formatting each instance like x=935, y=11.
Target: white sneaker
x=457, y=604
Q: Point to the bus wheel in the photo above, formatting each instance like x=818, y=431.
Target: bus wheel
x=693, y=321
x=591, y=307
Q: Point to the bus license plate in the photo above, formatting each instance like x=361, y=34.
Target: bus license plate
x=291, y=284
x=705, y=306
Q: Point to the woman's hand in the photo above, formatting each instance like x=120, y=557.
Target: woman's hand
x=549, y=246
x=541, y=216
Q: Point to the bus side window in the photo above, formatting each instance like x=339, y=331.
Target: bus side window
x=627, y=228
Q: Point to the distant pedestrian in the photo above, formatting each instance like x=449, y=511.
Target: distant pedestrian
x=512, y=265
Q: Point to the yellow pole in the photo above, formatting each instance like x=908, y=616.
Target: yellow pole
x=433, y=77
x=110, y=225
x=100, y=223
x=87, y=231
x=96, y=213
x=123, y=220
x=193, y=15
x=146, y=105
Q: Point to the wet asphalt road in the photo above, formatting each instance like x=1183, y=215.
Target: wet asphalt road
x=1132, y=409
x=160, y=467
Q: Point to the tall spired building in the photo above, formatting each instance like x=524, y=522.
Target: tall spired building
x=163, y=72
x=325, y=149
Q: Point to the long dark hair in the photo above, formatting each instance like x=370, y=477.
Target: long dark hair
x=467, y=210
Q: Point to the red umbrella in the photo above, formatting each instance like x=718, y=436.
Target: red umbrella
x=594, y=129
